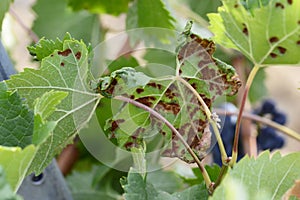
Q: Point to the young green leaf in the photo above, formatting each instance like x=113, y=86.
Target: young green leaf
x=16, y=125
x=114, y=7
x=5, y=189
x=261, y=178
x=64, y=71
x=46, y=47
x=15, y=163
x=267, y=33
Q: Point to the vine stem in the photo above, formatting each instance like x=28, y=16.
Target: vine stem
x=152, y=112
x=239, y=118
x=265, y=121
x=211, y=121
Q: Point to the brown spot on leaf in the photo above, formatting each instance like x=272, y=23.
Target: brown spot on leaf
x=172, y=107
x=290, y=2
x=274, y=39
x=131, y=96
x=273, y=55
x=139, y=90
x=236, y=5
x=282, y=50
x=279, y=5
x=148, y=101
x=78, y=55
x=65, y=52
x=298, y=42
x=299, y=22
x=245, y=30
x=115, y=124
x=155, y=85
x=62, y=64
x=51, y=55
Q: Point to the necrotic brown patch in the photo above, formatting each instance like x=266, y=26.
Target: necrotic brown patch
x=279, y=5
x=274, y=39
x=298, y=42
x=139, y=90
x=65, y=52
x=78, y=55
x=282, y=50
x=245, y=30
x=62, y=64
x=273, y=55
x=290, y=2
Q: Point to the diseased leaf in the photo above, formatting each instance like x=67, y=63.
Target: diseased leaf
x=16, y=120
x=64, y=71
x=114, y=7
x=5, y=189
x=170, y=97
x=254, y=177
x=15, y=163
x=267, y=32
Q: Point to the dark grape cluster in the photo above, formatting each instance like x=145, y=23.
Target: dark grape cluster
x=267, y=137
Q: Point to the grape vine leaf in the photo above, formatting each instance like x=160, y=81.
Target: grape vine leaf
x=136, y=187
x=45, y=47
x=16, y=124
x=113, y=7
x=267, y=33
x=254, y=176
x=15, y=162
x=170, y=97
x=148, y=14
x=4, y=6
x=65, y=71
x=55, y=18
x=5, y=189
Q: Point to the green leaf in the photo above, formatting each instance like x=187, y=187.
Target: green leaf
x=4, y=6
x=213, y=172
x=114, y=7
x=263, y=178
x=241, y=26
x=66, y=71
x=167, y=181
x=85, y=185
x=43, y=108
x=202, y=8
x=15, y=163
x=46, y=47
x=55, y=18
x=168, y=96
x=136, y=188
x=5, y=189
x=16, y=120
x=149, y=14
x=122, y=62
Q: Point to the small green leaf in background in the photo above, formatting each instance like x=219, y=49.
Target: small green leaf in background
x=15, y=162
x=65, y=71
x=267, y=33
x=4, y=7
x=261, y=178
x=113, y=7
x=213, y=172
x=122, y=62
x=149, y=14
x=16, y=120
x=202, y=8
x=54, y=18
x=6, y=192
